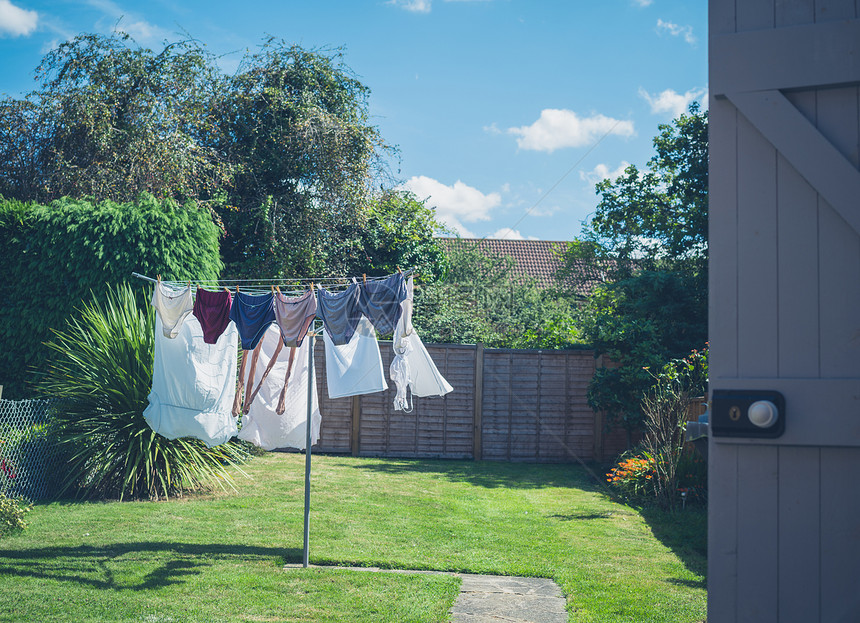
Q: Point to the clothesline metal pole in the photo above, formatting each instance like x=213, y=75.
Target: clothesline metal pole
x=306, y=552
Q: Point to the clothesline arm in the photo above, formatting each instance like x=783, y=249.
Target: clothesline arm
x=252, y=284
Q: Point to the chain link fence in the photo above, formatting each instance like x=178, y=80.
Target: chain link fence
x=28, y=452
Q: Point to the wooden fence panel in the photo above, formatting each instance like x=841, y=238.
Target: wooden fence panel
x=532, y=407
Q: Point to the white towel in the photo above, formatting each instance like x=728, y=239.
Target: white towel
x=193, y=384
x=262, y=426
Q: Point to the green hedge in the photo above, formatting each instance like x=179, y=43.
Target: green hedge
x=55, y=257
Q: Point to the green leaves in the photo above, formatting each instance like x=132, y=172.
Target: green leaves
x=478, y=300
x=293, y=124
x=650, y=231
x=640, y=323
x=101, y=374
x=57, y=256
x=661, y=214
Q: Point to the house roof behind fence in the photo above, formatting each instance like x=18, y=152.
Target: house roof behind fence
x=534, y=259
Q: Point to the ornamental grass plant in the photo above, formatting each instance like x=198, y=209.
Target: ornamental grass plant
x=100, y=375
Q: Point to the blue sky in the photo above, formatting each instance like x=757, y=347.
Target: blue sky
x=504, y=112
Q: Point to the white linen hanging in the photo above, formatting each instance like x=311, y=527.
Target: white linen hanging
x=262, y=426
x=193, y=384
x=354, y=368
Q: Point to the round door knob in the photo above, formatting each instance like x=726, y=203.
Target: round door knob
x=763, y=413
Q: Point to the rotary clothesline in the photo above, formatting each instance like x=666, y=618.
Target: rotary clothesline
x=349, y=318
x=292, y=285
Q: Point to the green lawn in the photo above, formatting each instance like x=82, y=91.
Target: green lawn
x=219, y=557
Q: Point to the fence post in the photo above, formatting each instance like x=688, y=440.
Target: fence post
x=356, y=424
x=598, y=422
x=477, y=452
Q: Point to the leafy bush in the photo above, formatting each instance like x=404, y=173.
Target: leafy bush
x=12, y=512
x=663, y=467
x=480, y=300
x=102, y=375
x=640, y=323
x=57, y=256
x=633, y=475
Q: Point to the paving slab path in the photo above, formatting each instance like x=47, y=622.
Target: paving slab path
x=494, y=598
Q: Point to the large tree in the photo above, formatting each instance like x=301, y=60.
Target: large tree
x=652, y=226
x=657, y=216
x=282, y=152
x=294, y=125
x=111, y=120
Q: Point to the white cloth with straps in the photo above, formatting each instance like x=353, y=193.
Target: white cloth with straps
x=412, y=365
x=262, y=426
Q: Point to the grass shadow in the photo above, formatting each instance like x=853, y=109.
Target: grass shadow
x=685, y=532
x=491, y=474
x=91, y=565
x=585, y=516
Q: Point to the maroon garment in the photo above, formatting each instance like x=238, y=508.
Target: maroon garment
x=212, y=309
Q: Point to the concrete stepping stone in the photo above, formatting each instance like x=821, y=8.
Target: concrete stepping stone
x=505, y=599
x=495, y=598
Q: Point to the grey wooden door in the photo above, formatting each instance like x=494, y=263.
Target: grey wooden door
x=784, y=514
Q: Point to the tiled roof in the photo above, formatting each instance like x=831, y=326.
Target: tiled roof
x=536, y=259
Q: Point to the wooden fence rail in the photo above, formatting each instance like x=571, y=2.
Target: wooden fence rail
x=507, y=405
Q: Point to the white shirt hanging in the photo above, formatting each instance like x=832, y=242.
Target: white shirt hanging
x=193, y=384
x=354, y=368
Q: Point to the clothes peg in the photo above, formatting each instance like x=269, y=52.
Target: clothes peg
x=399, y=271
x=278, y=288
x=273, y=289
x=226, y=289
x=159, y=278
x=365, y=278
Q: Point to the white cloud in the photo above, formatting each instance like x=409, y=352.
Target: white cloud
x=506, y=233
x=128, y=22
x=643, y=3
x=492, y=128
x=601, y=172
x=15, y=21
x=556, y=129
x=669, y=101
x=455, y=204
x=422, y=6
x=416, y=6
x=676, y=31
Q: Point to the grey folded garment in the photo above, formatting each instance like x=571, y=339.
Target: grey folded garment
x=380, y=301
x=339, y=312
x=294, y=316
